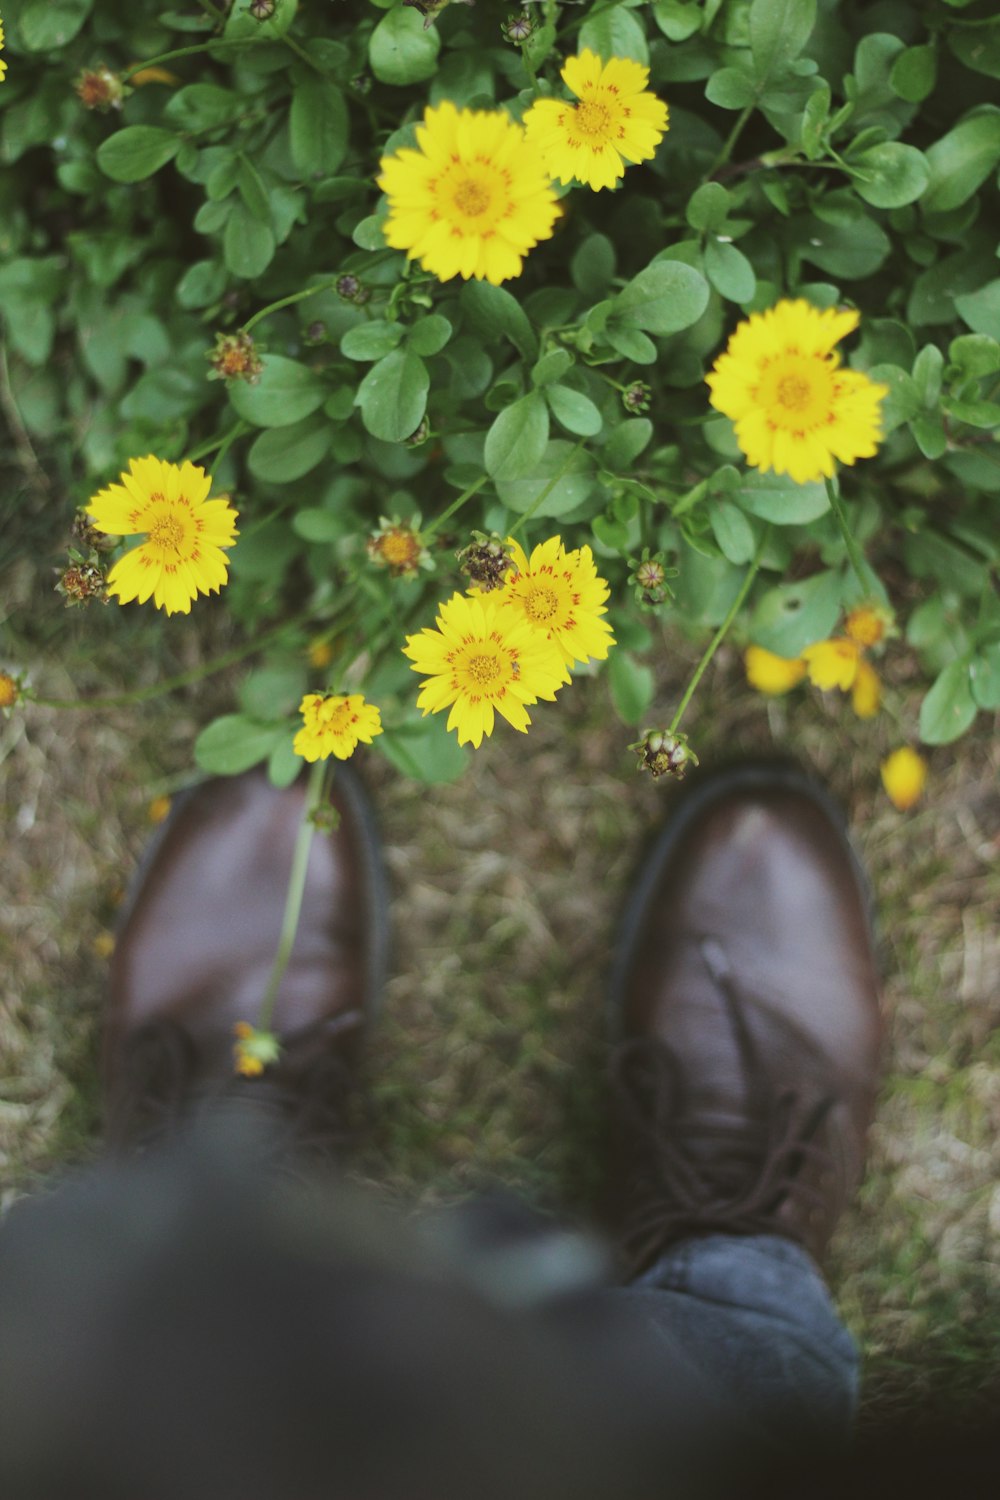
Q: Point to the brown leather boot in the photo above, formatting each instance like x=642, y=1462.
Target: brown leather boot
x=194, y=951
x=745, y=1000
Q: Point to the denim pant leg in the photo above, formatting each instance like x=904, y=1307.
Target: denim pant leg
x=755, y=1316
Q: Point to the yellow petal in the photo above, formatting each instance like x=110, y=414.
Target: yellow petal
x=904, y=774
x=772, y=674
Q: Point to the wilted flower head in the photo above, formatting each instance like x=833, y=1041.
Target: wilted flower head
x=99, y=88
x=234, y=357
x=486, y=561
x=664, y=754
x=82, y=581
x=397, y=546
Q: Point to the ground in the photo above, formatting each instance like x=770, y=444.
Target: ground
x=489, y=1059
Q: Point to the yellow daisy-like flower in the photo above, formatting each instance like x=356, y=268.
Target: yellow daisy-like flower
x=794, y=407
x=832, y=664
x=473, y=200
x=182, y=555
x=253, y=1050
x=868, y=624
x=866, y=691
x=483, y=660
x=772, y=674
x=617, y=121
x=335, y=724
x=904, y=774
x=561, y=593
x=3, y=65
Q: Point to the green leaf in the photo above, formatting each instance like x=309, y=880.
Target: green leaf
x=202, y=283
x=632, y=686
x=664, y=298
x=428, y=335
x=730, y=88
x=984, y=677
x=792, y=616
x=978, y=49
x=273, y=690
x=614, y=32
x=136, y=152
x=729, y=271
x=551, y=366
x=516, y=441
x=283, y=765
x=708, y=207
x=494, y=313
x=368, y=234
x=630, y=343
x=393, y=396
x=976, y=354
x=200, y=106
x=732, y=531
x=890, y=174
x=903, y=400
x=928, y=372
x=981, y=309
x=929, y=434
x=318, y=127
x=593, y=265
x=285, y=393
x=234, y=743
x=314, y=524
x=283, y=454
x=678, y=19
x=574, y=411
x=401, y=51
x=424, y=751
x=949, y=708
x=626, y=442
x=842, y=240
x=962, y=160
x=779, y=29
x=48, y=24
x=914, y=72
x=370, y=341
x=568, y=492
x=248, y=245
x=775, y=497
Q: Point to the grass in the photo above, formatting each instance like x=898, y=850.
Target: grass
x=488, y=1063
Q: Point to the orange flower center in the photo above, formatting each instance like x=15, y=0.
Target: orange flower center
x=398, y=547
x=472, y=198
x=541, y=604
x=484, y=669
x=592, y=119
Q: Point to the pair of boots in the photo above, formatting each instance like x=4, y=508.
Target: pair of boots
x=744, y=997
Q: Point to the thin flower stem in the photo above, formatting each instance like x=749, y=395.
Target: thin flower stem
x=518, y=530
x=154, y=62
x=730, y=141
x=532, y=75
x=455, y=505
x=170, y=684
x=853, y=550
x=265, y=312
x=216, y=442
x=227, y=442
x=722, y=632
x=293, y=899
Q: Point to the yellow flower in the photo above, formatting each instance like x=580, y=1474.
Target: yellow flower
x=334, y=725
x=832, y=664
x=8, y=690
x=320, y=653
x=772, y=674
x=904, y=773
x=795, y=408
x=3, y=65
x=616, y=122
x=561, y=593
x=481, y=659
x=253, y=1049
x=473, y=200
x=182, y=555
x=867, y=624
x=866, y=691
x=158, y=809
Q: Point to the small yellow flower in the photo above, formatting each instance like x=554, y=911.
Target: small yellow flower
x=832, y=664
x=158, y=809
x=483, y=659
x=397, y=546
x=617, y=121
x=104, y=943
x=155, y=75
x=253, y=1050
x=868, y=624
x=335, y=724
x=772, y=674
x=560, y=593
x=472, y=200
x=795, y=408
x=3, y=65
x=8, y=691
x=186, y=532
x=904, y=773
x=866, y=691
x=320, y=653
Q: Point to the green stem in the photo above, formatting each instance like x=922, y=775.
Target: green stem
x=730, y=141
x=853, y=550
x=532, y=75
x=216, y=442
x=310, y=291
x=154, y=62
x=300, y=52
x=293, y=899
x=518, y=530
x=455, y=505
x=169, y=684
x=721, y=633
x=227, y=443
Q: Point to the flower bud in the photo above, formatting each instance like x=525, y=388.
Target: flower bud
x=636, y=397
x=664, y=754
x=518, y=28
x=352, y=290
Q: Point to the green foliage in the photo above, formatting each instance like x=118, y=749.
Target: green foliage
x=844, y=154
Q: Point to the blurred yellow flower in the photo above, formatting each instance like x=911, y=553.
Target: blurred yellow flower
x=868, y=624
x=832, y=664
x=320, y=653
x=617, y=121
x=866, y=691
x=182, y=555
x=560, y=593
x=772, y=674
x=158, y=809
x=472, y=200
x=253, y=1050
x=795, y=408
x=335, y=724
x=3, y=65
x=904, y=773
